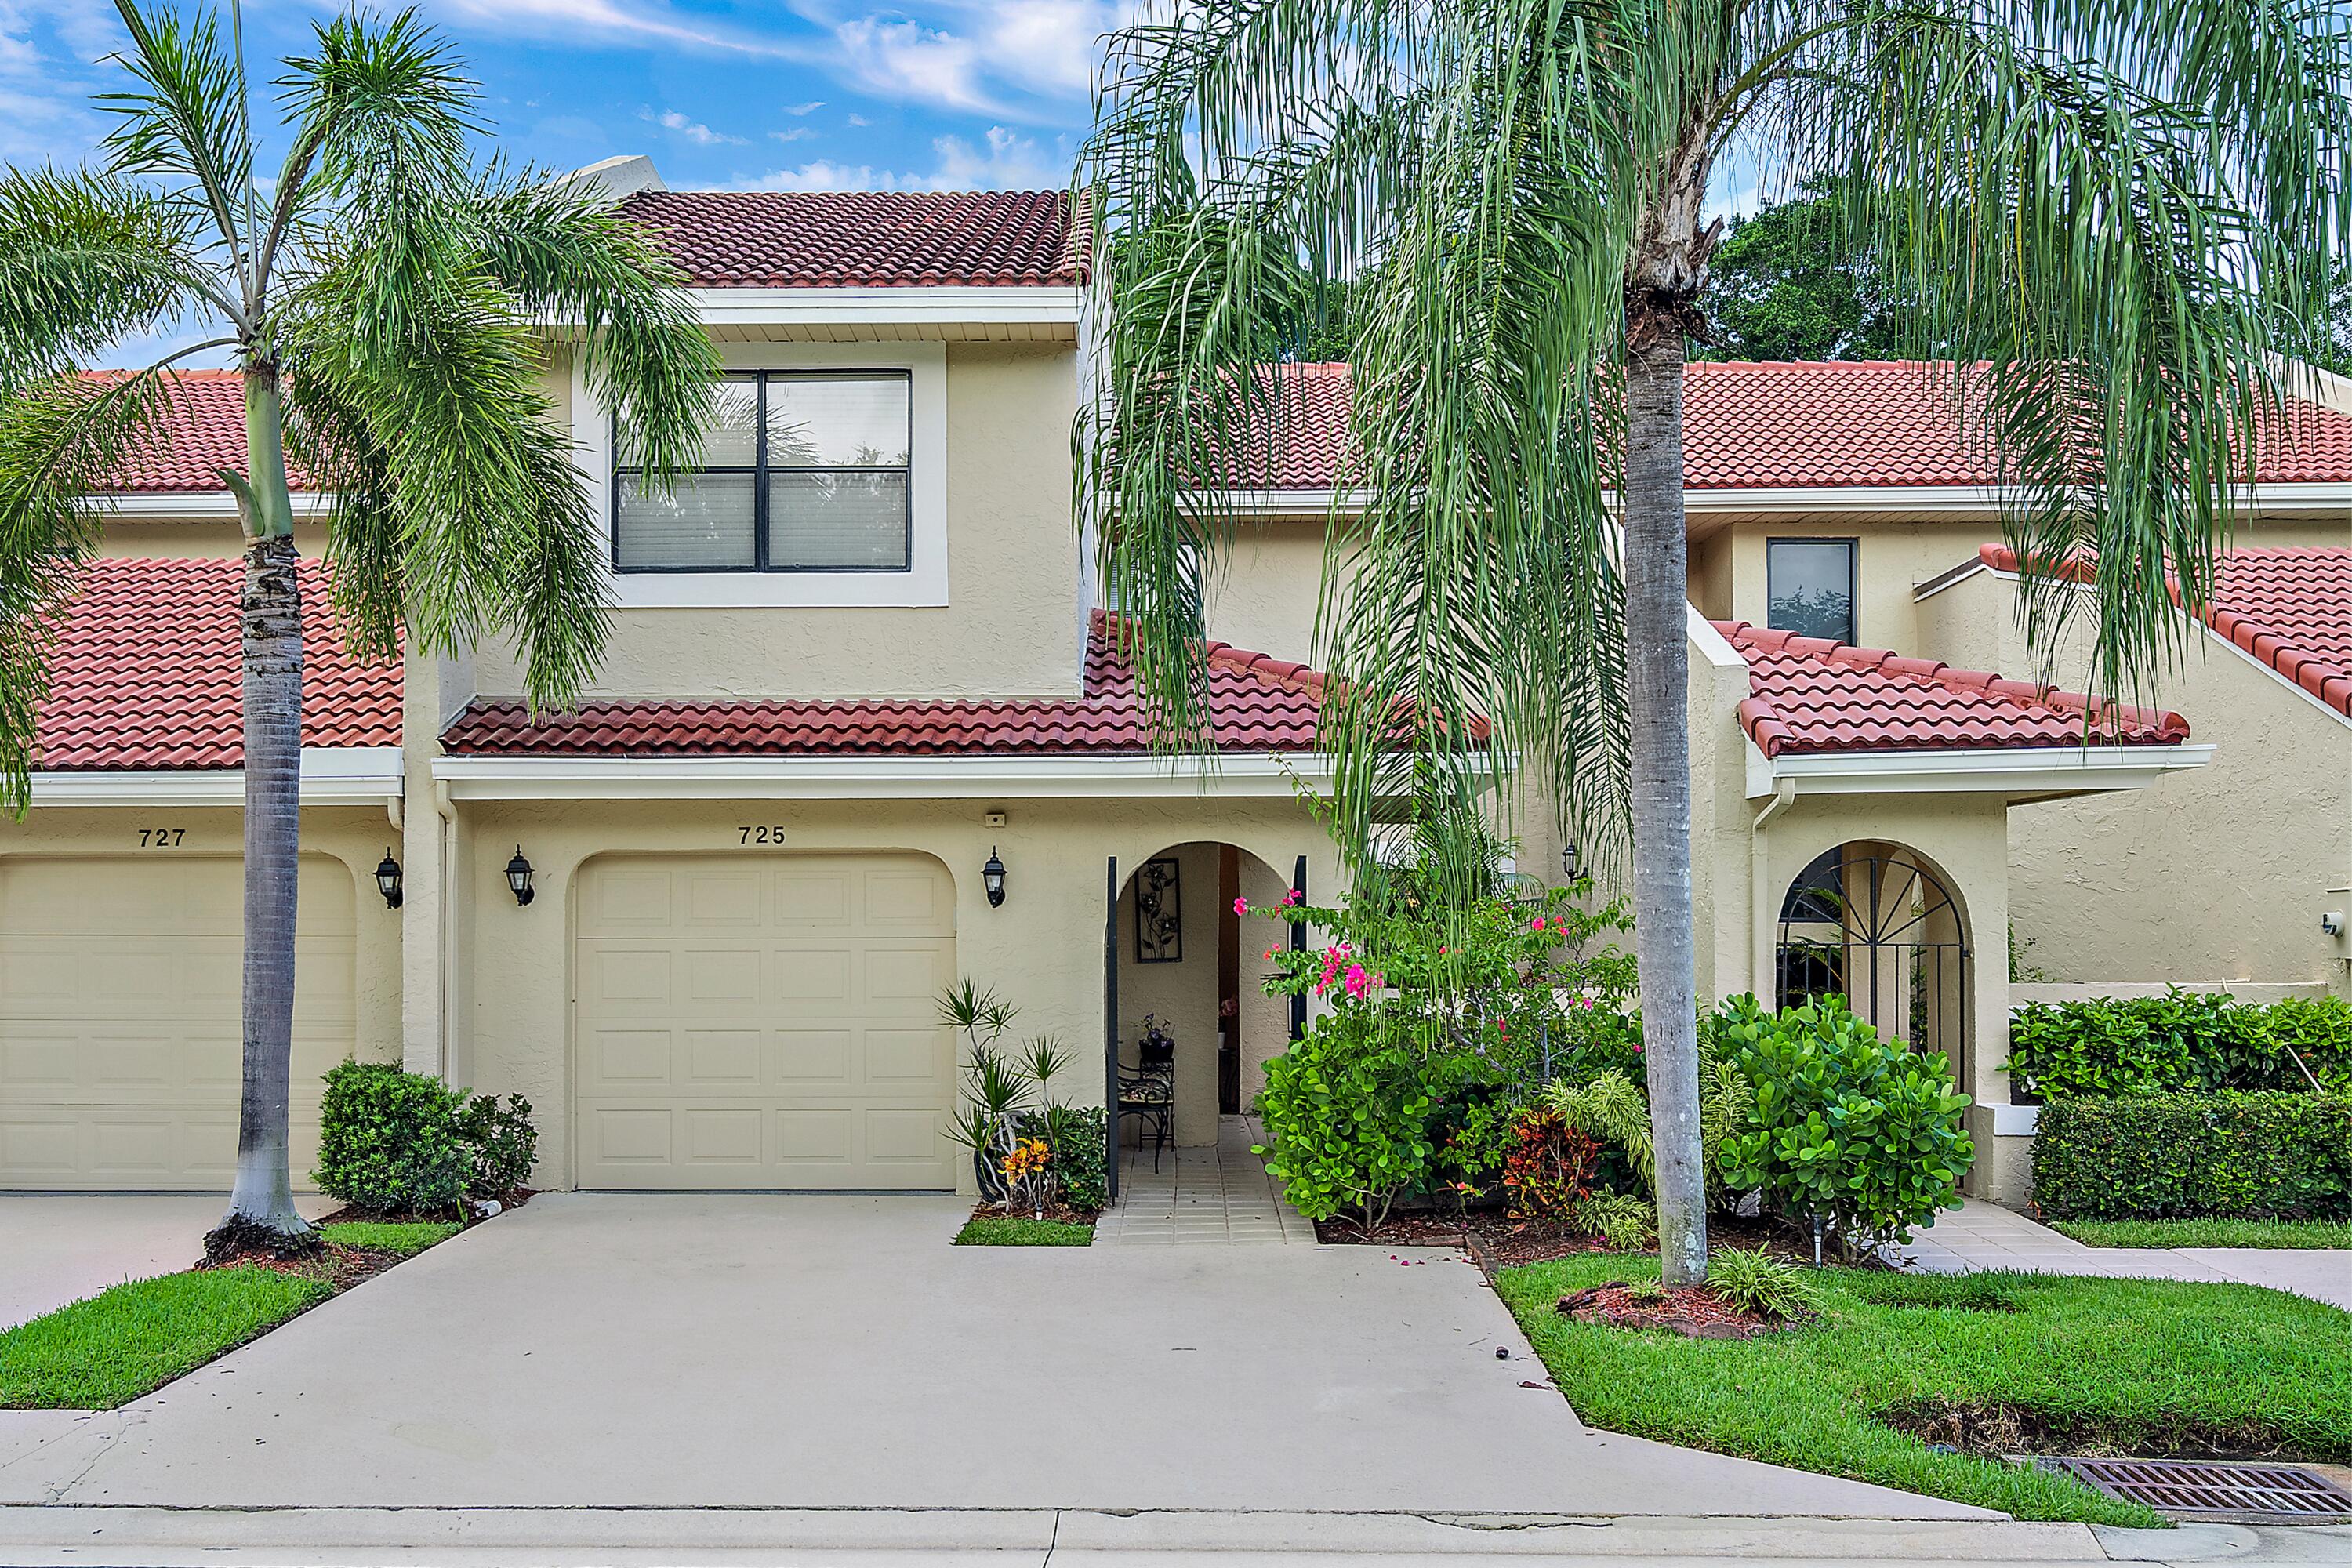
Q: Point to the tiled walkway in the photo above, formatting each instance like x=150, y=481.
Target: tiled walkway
x=1220, y=1196
x=1980, y=1235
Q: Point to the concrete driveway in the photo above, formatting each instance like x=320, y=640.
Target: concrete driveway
x=56, y=1250
x=707, y=1351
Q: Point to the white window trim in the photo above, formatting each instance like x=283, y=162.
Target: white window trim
x=925, y=581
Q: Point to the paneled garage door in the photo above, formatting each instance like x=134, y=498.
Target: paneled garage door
x=119, y=1019
x=763, y=1021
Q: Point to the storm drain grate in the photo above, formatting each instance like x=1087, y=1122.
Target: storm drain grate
x=2206, y=1487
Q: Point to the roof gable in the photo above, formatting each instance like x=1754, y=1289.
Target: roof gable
x=864, y=239
x=1810, y=695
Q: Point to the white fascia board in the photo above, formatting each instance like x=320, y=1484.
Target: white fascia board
x=178, y=505
x=974, y=304
x=1959, y=500
x=331, y=775
x=2018, y=773
x=1256, y=777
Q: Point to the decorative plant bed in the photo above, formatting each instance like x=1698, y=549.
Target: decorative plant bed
x=1499, y=1241
x=131, y=1339
x=1693, y=1312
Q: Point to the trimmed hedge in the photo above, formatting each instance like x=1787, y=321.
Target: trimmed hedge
x=2185, y=1156
x=2184, y=1042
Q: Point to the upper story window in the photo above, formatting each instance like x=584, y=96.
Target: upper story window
x=1808, y=586
x=802, y=471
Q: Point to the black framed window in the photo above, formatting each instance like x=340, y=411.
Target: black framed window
x=1808, y=586
x=802, y=471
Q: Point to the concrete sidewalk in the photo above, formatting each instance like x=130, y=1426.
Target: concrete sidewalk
x=1067, y=1538
x=59, y=1248
x=1980, y=1235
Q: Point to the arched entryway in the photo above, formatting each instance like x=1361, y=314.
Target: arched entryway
x=1878, y=924
x=1191, y=963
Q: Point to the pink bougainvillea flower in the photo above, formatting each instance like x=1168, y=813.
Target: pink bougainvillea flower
x=1538, y=924
x=1358, y=982
x=1241, y=906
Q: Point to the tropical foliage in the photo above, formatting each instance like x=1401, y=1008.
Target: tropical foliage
x=2115, y=219
x=2254, y=1156
x=2186, y=1042
x=384, y=296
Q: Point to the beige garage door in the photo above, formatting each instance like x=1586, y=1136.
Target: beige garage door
x=763, y=1021
x=118, y=1019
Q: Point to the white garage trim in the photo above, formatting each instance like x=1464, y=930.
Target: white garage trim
x=331, y=775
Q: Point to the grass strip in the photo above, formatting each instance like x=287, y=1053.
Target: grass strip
x=2105, y=1365
x=405, y=1239
x=2280, y=1232
x=1012, y=1230
x=107, y=1351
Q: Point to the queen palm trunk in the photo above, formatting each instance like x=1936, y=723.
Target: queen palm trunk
x=261, y=1213
x=1657, y=661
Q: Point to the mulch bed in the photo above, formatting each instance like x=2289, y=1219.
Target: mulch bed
x=1693, y=1312
x=1499, y=1241
x=1057, y=1211
x=514, y=1199
x=338, y=1267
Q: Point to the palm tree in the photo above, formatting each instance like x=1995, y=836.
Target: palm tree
x=2107, y=216
x=383, y=299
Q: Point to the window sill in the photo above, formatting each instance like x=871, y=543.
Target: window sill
x=780, y=590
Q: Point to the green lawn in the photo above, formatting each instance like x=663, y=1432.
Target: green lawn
x=1012, y=1230
x=2115, y=1364
x=407, y=1240
x=132, y=1339
x=2206, y=1232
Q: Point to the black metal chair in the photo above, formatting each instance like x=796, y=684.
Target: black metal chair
x=1148, y=1094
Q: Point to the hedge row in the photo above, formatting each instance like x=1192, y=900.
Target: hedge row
x=2186, y=1156
x=2182, y=1042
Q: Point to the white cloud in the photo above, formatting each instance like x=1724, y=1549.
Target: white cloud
x=859, y=119
x=569, y=18
x=796, y=133
x=699, y=134
x=1005, y=159
x=896, y=59
x=811, y=107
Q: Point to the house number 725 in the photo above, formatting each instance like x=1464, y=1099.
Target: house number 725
x=770, y=835
x=161, y=837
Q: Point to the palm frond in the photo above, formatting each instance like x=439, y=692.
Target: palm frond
x=84, y=260
x=185, y=119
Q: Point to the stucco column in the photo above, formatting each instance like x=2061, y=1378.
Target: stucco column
x=424, y=909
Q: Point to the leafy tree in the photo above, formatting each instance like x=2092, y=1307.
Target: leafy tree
x=1785, y=285
x=381, y=296
x=2103, y=208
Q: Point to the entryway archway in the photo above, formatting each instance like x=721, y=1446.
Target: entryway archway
x=1876, y=923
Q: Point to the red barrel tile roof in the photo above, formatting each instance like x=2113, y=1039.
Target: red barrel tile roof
x=868, y=239
x=1258, y=704
x=1796, y=426
x=2292, y=610
x=146, y=673
x=204, y=434
x=1810, y=695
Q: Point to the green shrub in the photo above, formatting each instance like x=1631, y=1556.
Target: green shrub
x=389, y=1141
x=1756, y=1281
x=1860, y=1132
x=505, y=1144
x=2183, y=1156
x=1078, y=1137
x=2182, y=1042
x=1346, y=1113
x=1626, y=1222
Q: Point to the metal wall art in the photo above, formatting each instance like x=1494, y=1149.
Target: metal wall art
x=1159, y=914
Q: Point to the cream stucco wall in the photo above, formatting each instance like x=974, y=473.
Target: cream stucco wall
x=1010, y=626
x=2220, y=874
x=1042, y=950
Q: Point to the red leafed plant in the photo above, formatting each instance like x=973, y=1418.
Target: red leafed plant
x=1548, y=1168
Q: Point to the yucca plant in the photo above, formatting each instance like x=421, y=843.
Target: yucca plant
x=2110, y=217
x=383, y=295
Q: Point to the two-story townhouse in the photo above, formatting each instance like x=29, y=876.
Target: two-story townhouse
x=859, y=731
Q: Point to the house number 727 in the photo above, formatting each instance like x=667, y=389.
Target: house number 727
x=761, y=834
x=161, y=837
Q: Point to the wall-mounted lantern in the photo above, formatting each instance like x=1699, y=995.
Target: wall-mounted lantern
x=1567, y=859
x=387, y=880
x=992, y=876
x=518, y=876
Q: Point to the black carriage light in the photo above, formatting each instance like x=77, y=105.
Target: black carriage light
x=992, y=876
x=387, y=880
x=518, y=876
x=1567, y=859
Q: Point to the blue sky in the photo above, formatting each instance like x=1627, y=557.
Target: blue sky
x=814, y=95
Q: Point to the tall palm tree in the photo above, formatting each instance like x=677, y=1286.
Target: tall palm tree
x=2107, y=216
x=385, y=298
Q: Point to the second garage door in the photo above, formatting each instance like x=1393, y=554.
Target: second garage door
x=763, y=1021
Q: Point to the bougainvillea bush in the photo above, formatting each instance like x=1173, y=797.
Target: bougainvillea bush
x=1444, y=1018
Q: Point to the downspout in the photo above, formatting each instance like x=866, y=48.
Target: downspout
x=446, y=810
x=1784, y=795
